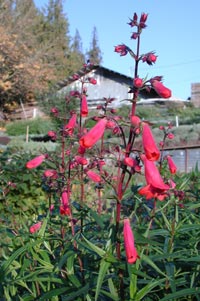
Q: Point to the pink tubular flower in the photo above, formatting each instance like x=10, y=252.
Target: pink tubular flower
x=150, y=148
x=122, y=49
x=131, y=252
x=34, y=228
x=84, y=106
x=74, y=93
x=170, y=136
x=163, y=91
x=75, y=76
x=135, y=35
x=81, y=160
x=50, y=173
x=69, y=128
x=94, y=134
x=52, y=135
x=92, y=81
x=171, y=165
x=54, y=111
x=35, y=162
x=129, y=162
x=137, y=82
x=110, y=124
x=149, y=58
x=93, y=176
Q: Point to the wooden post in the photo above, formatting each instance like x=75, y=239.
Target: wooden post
x=27, y=133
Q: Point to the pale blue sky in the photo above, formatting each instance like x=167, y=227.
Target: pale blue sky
x=173, y=32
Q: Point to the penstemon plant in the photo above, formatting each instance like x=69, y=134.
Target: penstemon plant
x=83, y=246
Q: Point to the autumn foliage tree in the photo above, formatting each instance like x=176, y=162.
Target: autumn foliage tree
x=36, y=50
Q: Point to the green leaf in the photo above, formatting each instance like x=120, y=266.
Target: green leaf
x=113, y=290
x=53, y=293
x=152, y=264
x=97, y=218
x=78, y=293
x=94, y=248
x=182, y=293
x=133, y=273
x=17, y=253
x=104, y=266
x=110, y=295
x=145, y=290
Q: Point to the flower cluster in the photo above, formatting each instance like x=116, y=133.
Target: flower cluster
x=85, y=152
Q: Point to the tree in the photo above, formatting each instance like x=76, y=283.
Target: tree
x=77, y=55
x=22, y=68
x=94, y=55
x=35, y=50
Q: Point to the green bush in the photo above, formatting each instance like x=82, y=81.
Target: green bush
x=19, y=144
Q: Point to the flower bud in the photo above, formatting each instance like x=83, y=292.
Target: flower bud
x=137, y=82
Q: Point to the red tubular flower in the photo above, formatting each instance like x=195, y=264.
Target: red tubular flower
x=64, y=207
x=122, y=49
x=34, y=228
x=163, y=91
x=143, y=19
x=129, y=162
x=131, y=252
x=135, y=35
x=150, y=192
x=92, y=81
x=135, y=120
x=133, y=163
x=75, y=76
x=155, y=188
x=137, y=82
x=93, y=176
x=170, y=136
x=149, y=58
x=94, y=134
x=152, y=174
x=69, y=128
x=84, y=106
x=81, y=160
x=110, y=124
x=171, y=165
x=150, y=148
x=133, y=22
x=35, y=162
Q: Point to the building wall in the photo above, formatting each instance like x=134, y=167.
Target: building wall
x=108, y=85
x=195, y=94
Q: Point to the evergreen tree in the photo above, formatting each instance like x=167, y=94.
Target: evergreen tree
x=94, y=55
x=77, y=56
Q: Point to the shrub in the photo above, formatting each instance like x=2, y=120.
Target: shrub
x=35, y=126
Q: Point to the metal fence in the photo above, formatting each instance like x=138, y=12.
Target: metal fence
x=186, y=158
